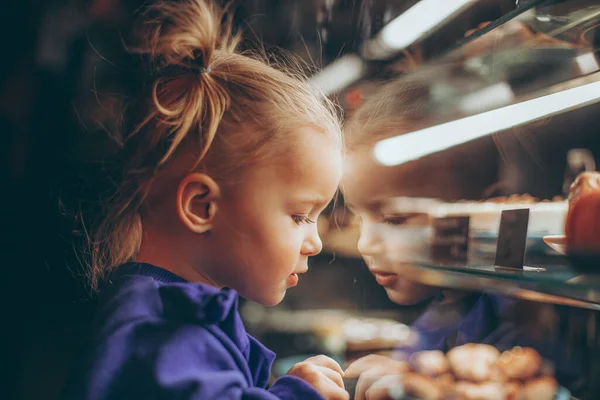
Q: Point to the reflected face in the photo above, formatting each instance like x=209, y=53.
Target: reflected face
x=386, y=234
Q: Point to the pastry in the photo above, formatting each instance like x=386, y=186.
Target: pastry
x=477, y=372
x=520, y=363
x=431, y=363
x=481, y=391
x=513, y=390
x=543, y=388
x=446, y=381
x=474, y=362
x=421, y=387
x=367, y=334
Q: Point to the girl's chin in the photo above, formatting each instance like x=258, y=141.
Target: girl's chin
x=271, y=300
x=405, y=298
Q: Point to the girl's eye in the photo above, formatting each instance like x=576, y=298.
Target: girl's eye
x=395, y=219
x=302, y=219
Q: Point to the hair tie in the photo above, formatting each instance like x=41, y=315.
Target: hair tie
x=205, y=70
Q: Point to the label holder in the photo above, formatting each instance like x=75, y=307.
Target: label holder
x=512, y=239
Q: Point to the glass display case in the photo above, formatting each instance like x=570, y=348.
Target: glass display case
x=549, y=301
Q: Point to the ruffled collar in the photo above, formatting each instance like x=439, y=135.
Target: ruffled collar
x=198, y=301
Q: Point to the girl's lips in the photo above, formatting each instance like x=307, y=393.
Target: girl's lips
x=385, y=279
x=292, y=280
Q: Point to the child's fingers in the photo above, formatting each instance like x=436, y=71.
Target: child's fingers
x=326, y=362
x=388, y=387
x=379, y=383
x=365, y=381
x=337, y=394
x=363, y=364
x=319, y=372
x=333, y=375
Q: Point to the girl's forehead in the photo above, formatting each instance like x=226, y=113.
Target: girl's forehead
x=308, y=144
x=316, y=163
x=309, y=170
x=365, y=182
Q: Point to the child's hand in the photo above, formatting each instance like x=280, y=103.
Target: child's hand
x=375, y=361
x=377, y=375
x=324, y=374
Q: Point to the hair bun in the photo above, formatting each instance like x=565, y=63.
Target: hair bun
x=183, y=34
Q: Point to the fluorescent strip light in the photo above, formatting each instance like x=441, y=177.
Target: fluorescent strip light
x=339, y=74
x=419, y=20
x=414, y=145
x=486, y=99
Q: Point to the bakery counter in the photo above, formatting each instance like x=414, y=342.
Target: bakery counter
x=566, y=336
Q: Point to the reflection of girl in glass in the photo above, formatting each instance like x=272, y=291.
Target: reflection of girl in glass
x=369, y=188
x=451, y=318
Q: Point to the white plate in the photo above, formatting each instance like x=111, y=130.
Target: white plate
x=557, y=242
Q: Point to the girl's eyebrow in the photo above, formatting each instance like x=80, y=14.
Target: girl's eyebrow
x=313, y=199
x=373, y=206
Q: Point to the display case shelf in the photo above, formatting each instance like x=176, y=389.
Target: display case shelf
x=557, y=282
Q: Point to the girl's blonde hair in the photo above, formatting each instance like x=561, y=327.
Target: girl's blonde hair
x=406, y=105
x=391, y=108
x=201, y=105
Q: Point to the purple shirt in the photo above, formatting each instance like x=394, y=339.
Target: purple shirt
x=157, y=336
x=471, y=319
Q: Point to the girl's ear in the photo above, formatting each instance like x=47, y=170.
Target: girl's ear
x=197, y=197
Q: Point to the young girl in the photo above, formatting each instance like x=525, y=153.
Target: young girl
x=227, y=163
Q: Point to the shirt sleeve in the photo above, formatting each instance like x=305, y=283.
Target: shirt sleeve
x=159, y=361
